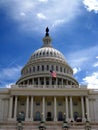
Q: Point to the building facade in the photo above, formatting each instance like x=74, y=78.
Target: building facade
x=38, y=94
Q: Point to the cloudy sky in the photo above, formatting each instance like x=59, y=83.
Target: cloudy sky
x=73, y=26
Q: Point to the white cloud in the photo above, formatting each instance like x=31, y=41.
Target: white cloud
x=91, y=80
x=96, y=57
x=95, y=64
x=8, y=85
x=43, y=0
x=76, y=70
x=57, y=12
x=9, y=73
x=22, y=14
x=41, y=16
x=83, y=58
x=91, y=5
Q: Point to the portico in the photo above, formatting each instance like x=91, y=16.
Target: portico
x=51, y=104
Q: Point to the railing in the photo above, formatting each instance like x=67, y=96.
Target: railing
x=45, y=86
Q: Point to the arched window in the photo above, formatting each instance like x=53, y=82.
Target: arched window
x=34, y=69
x=56, y=68
x=42, y=67
x=52, y=67
x=37, y=68
x=60, y=69
x=47, y=67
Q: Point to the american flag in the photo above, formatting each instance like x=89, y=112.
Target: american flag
x=53, y=73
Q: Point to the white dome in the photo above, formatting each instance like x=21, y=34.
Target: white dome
x=47, y=52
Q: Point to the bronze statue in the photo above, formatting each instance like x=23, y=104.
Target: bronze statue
x=47, y=31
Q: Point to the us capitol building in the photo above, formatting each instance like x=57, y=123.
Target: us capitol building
x=48, y=90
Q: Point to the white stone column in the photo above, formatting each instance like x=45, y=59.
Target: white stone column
x=32, y=81
x=31, y=112
x=38, y=81
x=71, y=108
x=55, y=109
x=27, y=108
x=43, y=109
x=82, y=105
x=56, y=82
x=44, y=81
x=67, y=114
x=10, y=107
x=87, y=108
x=15, y=108
x=50, y=81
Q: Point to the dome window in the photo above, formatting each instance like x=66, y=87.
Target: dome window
x=30, y=70
x=43, y=53
x=33, y=69
x=37, y=68
x=50, y=52
x=56, y=68
x=47, y=67
x=42, y=67
x=60, y=69
x=64, y=70
x=52, y=67
x=27, y=71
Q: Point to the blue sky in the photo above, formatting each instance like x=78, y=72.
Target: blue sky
x=73, y=27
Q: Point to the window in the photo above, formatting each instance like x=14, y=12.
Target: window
x=33, y=69
x=48, y=103
x=38, y=118
x=60, y=117
x=56, y=68
x=47, y=67
x=52, y=67
x=30, y=70
x=59, y=103
x=42, y=67
x=60, y=69
x=64, y=70
x=37, y=103
x=43, y=53
x=37, y=68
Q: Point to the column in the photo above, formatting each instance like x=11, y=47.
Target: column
x=71, y=108
x=31, y=112
x=87, y=107
x=55, y=110
x=67, y=115
x=27, y=108
x=50, y=81
x=43, y=109
x=38, y=81
x=82, y=105
x=32, y=81
x=10, y=107
x=15, y=108
x=44, y=81
x=56, y=82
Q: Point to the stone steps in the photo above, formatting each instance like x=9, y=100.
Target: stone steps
x=49, y=126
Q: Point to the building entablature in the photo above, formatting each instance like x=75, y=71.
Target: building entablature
x=49, y=91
